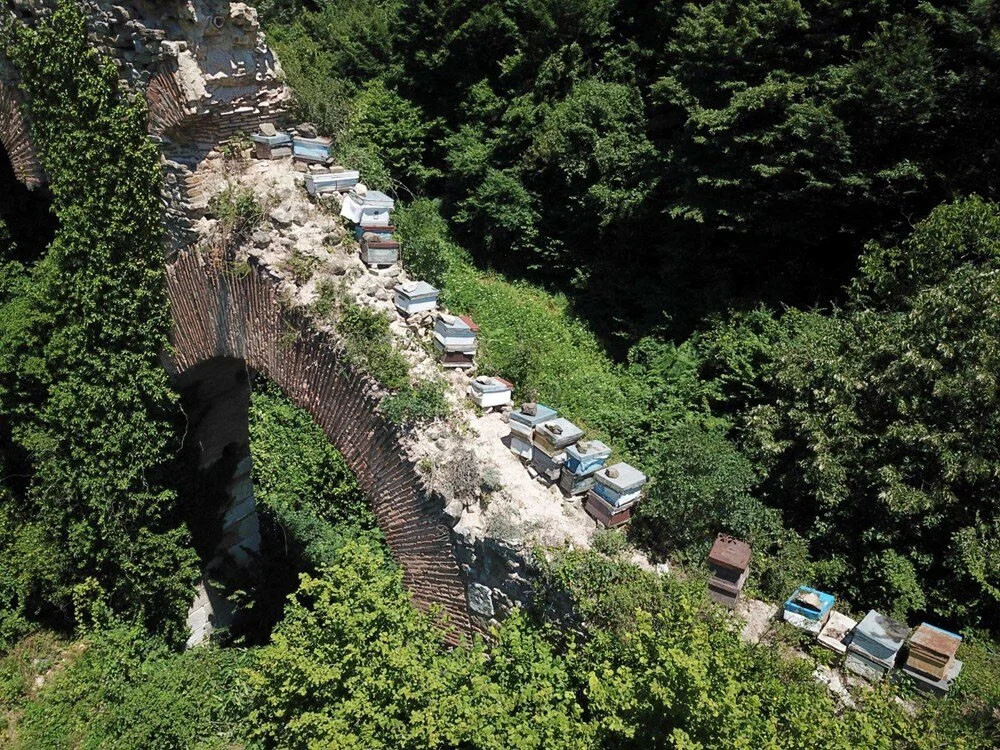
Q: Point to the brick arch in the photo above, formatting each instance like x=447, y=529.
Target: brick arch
x=220, y=314
x=15, y=133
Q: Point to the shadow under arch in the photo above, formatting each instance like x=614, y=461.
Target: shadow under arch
x=223, y=316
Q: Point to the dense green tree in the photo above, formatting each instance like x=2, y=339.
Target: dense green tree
x=875, y=427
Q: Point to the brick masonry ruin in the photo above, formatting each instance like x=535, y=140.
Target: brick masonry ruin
x=206, y=72
x=15, y=132
x=220, y=314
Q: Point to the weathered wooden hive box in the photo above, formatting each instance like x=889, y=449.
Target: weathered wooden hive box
x=615, y=493
x=375, y=252
x=490, y=392
x=415, y=297
x=550, y=440
x=332, y=182
x=455, y=340
x=312, y=150
x=873, y=648
x=276, y=146
x=370, y=208
x=808, y=608
x=522, y=427
x=729, y=563
x=455, y=333
x=930, y=661
x=583, y=460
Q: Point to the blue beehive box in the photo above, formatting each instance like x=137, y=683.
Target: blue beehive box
x=455, y=333
x=314, y=150
x=808, y=609
x=586, y=457
x=415, y=297
x=619, y=485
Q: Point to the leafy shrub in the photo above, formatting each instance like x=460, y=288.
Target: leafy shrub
x=125, y=691
x=238, y=212
x=420, y=403
x=370, y=345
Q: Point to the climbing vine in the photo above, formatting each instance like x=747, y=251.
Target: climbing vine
x=94, y=523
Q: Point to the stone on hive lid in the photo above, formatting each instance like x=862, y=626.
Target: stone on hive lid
x=729, y=552
x=622, y=477
x=268, y=128
x=835, y=635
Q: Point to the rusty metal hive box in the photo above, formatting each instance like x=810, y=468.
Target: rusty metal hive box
x=730, y=552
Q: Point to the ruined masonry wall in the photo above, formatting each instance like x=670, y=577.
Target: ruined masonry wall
x=15, y=132
x=217, y=314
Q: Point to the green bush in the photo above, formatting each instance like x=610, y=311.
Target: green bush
x=420, y=403
x=125, y=691
x=370, y=345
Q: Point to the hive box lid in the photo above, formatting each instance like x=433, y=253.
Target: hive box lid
x=453, y=325
x=809, y=602
x=542, y=413
x=730, y=552
x=560, y=431
x=588, y=449
x=278, y=139
x=629, y=478
x=884, y=631
x=416, y=289
x=936, y=640
x=836, y=633
x=488, y=384
x=378, y=199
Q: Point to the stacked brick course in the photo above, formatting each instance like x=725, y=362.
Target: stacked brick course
x=218, y=314
x=15, y=133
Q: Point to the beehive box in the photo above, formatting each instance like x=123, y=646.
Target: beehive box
x=585, y=457
x=606, y=514
x=808, y=608
x=490, y=392
x=332, y=182
x=377, y=253
x=312, y=150
x=619, y=485
x=415, y=297
x=275, y=146
x=368, y=207
x=555, y=435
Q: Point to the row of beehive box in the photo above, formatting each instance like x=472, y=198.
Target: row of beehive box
x=556, y=450
x=368, y=209
x=871, y=647
x=551, y=444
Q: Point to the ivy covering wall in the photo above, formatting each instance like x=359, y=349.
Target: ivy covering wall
x=87, y=517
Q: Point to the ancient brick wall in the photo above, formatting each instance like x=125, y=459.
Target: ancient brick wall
x=14, y=131
x=218, y=313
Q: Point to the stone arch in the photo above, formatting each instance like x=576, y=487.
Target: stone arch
x=15, y=132
x=217, y=313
